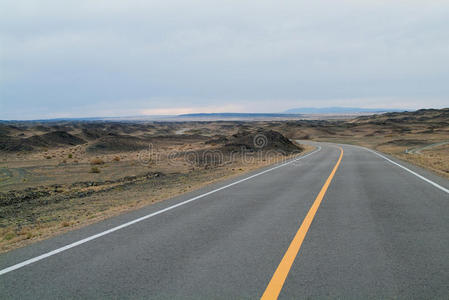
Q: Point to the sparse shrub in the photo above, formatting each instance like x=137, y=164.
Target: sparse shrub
x=97, y=161
x=70, y=155
x=117, y=158
x=9, y=236
x=65, y=224
x=94, y=170
x=26, y=234
x=48, y=157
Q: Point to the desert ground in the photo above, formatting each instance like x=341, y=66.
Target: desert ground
x=60, y=175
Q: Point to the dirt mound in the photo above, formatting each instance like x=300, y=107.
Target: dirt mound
x=56, y=138
x=216, y=140
x=50, y=139
x=93, y=133
x=4, y=131
x=11, y=144
x=260, y=140
x=42, y=128
x=117, y=143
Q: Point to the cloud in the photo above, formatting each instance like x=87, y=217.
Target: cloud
x=61, y=57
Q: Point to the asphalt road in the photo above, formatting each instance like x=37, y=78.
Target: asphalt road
x=380, y=232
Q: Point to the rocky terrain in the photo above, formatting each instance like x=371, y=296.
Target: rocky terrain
x=59, y=176
x=56, y=176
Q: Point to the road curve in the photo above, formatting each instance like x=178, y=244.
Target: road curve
x=380, y=231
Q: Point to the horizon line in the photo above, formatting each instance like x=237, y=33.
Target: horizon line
x=161, y=116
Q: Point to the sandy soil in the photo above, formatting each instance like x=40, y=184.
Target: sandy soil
x=50, y=191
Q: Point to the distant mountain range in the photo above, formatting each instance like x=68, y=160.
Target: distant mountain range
x=293, y=113
x=237, y=115
x=338, y=110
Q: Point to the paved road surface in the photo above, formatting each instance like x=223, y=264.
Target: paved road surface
x=380, y=232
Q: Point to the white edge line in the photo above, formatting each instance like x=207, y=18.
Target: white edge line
x=93, y=237
x=408, y=170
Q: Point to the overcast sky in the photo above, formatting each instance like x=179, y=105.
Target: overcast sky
x=121, y=58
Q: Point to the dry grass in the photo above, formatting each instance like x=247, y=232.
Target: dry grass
x=435, y=159
x=97, y=161
x=95, y=170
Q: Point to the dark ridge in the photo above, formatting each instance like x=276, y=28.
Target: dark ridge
x=265, y=140
x=239, y=115
x=50, y=139
x=56, y=138
x=117, y=143
x=338, y=110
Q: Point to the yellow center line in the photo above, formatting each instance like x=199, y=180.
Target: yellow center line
x=277, y=281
